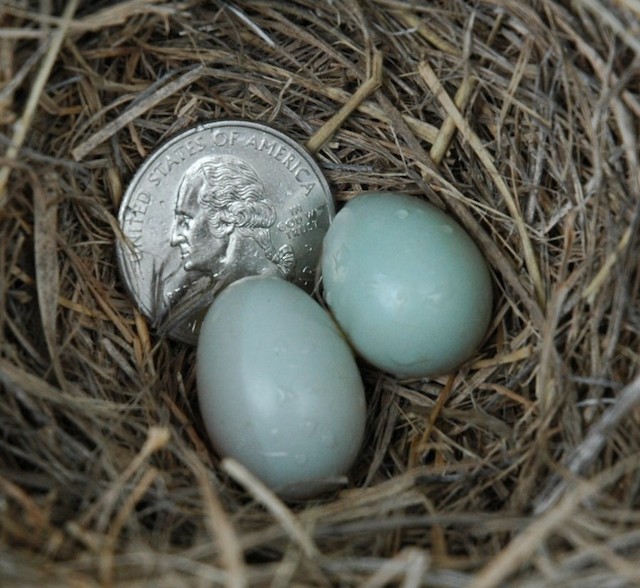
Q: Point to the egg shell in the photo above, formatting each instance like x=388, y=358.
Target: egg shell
x=278, y=386
x=406, y=283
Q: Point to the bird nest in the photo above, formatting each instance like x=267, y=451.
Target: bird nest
x=521, y=119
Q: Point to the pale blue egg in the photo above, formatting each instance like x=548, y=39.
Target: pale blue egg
x=408, y=286
x=278, y=386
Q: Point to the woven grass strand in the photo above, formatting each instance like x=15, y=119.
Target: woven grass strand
x=519, y=468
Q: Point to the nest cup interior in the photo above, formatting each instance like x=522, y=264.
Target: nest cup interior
x=520, y=121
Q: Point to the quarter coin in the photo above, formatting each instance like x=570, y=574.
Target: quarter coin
x=218, y=202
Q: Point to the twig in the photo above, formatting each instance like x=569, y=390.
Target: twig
x=410, y=564
x=526, y=543
x=597, y=62
x=157, y=438
x=221, y=528
x=474, y=141
x=585, y=453
x=107, y=551
x=22, y=126
x=82, y=150
x=603, y=273
x=448, y=128
x=119, y=13
x=328, y=129
x=602, y=13
x=413, y=21
x=275, y=506
x=11, y=86
x=252, y=25
x=45, y=212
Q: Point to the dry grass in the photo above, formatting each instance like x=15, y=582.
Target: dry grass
x=521, y=118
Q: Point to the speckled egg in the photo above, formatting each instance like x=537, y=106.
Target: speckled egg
x=408, y=286
x=278, y=386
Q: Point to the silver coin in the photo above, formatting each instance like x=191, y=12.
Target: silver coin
x=218, y=202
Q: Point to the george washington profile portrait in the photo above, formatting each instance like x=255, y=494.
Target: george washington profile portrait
x=221, y=223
